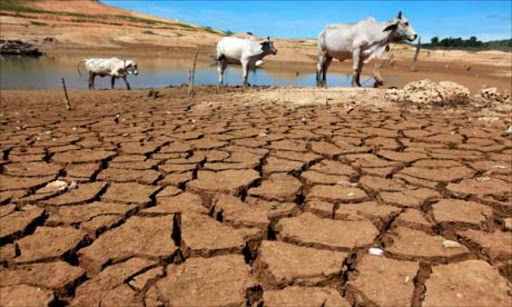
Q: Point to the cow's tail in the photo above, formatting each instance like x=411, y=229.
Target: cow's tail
x=78, y=66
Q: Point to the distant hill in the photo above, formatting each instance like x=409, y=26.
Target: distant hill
x=91, y=23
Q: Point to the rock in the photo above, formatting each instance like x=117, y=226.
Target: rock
x=428, y=92
x=493, y=94
x=18, y=47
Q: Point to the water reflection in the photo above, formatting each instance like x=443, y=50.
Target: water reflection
x=45, y=73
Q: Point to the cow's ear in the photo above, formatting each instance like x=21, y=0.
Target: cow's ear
x=399, y=15
x=390, y=27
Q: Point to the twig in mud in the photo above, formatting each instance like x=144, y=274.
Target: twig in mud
x=418, y=48
x=191, y=73
x=66, y=97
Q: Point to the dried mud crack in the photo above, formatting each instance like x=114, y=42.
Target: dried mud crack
x=228, y=198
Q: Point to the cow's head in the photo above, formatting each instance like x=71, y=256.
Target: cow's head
x=268, y=46
x=131, y=67
x=401, y=28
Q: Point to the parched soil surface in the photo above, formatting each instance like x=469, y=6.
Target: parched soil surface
x=242, y=198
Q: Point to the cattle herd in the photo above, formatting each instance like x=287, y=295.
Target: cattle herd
x=360, y=41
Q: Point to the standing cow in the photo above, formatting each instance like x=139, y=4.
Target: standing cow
x=248, y=52
x=113, y=67
x=361, y=41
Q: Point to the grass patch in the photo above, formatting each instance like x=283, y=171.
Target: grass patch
x=228, y=33
x=179, y=34
x=20, y=6
x=210, y=30
x=183, y=25
x=149, y=32
x=39, y=24
x=138, y=19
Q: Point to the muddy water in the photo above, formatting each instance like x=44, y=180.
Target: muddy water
x=45, y=73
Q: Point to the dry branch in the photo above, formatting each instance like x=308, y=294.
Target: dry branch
x=418, y=48
x=66, y=97
x=191, y=73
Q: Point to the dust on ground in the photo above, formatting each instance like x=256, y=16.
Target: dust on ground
x=236, y=197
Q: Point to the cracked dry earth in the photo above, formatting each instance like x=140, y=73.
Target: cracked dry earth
x=178, y=202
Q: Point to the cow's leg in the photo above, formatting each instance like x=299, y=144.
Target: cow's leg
x=113, y=81
x=319, y=67
x=127, y=84
x=91, y=80
x=357, y=66
x=328, y=61
x=245, y=70
x=221, y=67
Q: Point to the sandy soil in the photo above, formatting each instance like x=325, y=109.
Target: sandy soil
x=117, y=36
x=236, y=197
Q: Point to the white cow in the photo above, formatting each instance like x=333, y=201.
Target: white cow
x=361, y=41
x=113, y=67
x=248, y=52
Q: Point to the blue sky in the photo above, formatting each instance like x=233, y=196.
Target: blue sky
x=487, y=20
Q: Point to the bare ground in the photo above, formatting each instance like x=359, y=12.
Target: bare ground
x=237, y=197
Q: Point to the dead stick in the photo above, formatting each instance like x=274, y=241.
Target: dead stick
x=68, y=106
x=418, y=47
x=191, y=74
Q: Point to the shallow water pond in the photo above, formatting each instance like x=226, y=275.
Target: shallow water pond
x=45, y=73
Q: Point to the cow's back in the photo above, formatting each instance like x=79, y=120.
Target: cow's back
x=231, y=47
x=103, y=66
x=338, y=40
